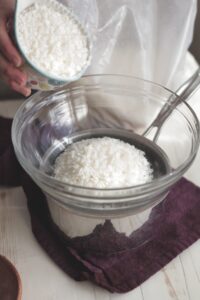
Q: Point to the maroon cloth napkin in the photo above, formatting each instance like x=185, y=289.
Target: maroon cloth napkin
x=173, y=225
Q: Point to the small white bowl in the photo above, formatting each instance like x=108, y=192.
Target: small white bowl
x=38, y=79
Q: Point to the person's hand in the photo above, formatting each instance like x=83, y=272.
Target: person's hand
x=10, y=59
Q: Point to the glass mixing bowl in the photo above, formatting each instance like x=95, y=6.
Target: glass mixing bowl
x=101, y=104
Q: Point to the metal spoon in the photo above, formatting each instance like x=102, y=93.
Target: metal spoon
x=186, y=90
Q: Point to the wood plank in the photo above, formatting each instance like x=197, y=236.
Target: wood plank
x=190, y=260
x=167, y=284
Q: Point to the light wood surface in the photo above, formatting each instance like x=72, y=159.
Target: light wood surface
x=43, y=280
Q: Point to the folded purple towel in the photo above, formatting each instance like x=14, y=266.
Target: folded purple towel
x=174, y=225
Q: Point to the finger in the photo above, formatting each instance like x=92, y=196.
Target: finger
x=15, y=74
x=7, y=47
x=16, y=87
x=13, y=77
x=20, y=89
x=10, y=24
x=12, y=73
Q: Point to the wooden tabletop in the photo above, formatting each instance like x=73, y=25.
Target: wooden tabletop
x=43, y=280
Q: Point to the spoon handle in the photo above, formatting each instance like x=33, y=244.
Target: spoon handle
x=184, y=93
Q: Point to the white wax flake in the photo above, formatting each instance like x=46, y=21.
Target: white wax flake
x=103, y=163
x=52, y=40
